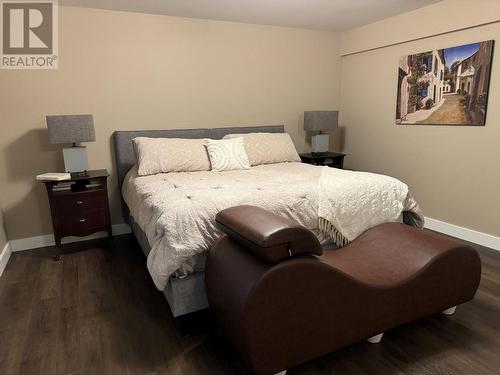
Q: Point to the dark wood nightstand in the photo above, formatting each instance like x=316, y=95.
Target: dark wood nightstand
x=330, y=159
x=79, y=206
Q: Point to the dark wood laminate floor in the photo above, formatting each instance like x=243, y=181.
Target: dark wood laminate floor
x=98, y=312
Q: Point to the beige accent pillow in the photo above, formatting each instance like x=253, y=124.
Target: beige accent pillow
x=227, y=154
x=162, y=155
x=268, y=148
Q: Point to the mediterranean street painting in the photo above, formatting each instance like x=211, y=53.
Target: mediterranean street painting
x=446, y=86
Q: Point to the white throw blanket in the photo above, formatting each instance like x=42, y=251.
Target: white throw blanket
x=352, y=202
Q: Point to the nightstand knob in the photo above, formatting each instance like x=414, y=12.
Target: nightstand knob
x=79, y=202
x=82, y=220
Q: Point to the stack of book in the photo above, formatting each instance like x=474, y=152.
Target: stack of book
x=53, y=176
x=93, y=184
x=63, y=186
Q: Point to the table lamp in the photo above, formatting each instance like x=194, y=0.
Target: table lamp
x=320, y=121
x=72, y=129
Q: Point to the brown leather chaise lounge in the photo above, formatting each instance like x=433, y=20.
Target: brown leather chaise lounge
x=281, y=301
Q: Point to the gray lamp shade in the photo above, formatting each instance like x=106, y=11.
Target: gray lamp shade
x=321, y=120
x=71, y=128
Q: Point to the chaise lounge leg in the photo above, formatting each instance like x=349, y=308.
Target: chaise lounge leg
x=449, y=311
x=375, y=339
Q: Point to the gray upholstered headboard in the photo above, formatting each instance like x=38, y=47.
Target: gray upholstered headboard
x=124, y=149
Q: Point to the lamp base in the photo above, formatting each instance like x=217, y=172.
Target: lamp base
x=75, y=159
x=320, y=143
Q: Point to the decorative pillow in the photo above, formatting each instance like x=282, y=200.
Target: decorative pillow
x=162, y=155
x=227, y=154
x=268, y=148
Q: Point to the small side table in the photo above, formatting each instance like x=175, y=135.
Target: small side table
x=330, y=159
x=79, y=206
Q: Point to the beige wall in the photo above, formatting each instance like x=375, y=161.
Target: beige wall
x=441, y=17
x=452, y=171
x=137, y=71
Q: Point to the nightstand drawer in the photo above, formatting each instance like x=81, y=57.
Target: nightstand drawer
x=78, y=202
x=81, y=224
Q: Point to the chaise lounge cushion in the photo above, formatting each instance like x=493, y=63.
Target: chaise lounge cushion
x=393, y=253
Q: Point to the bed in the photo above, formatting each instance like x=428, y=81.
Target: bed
x=172, y=214
x=185, y=289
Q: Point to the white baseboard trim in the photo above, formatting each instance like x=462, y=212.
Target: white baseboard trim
x=466, y=234
x=48, y=239
x=453, y=230
x=4, y=257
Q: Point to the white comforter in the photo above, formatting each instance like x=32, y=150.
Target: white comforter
x=177, y=211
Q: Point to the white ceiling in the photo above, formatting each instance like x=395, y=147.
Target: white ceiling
x=335, y=15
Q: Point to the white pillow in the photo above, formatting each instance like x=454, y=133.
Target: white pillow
x=268, y=148
x=162, y=155
x=227, y=154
